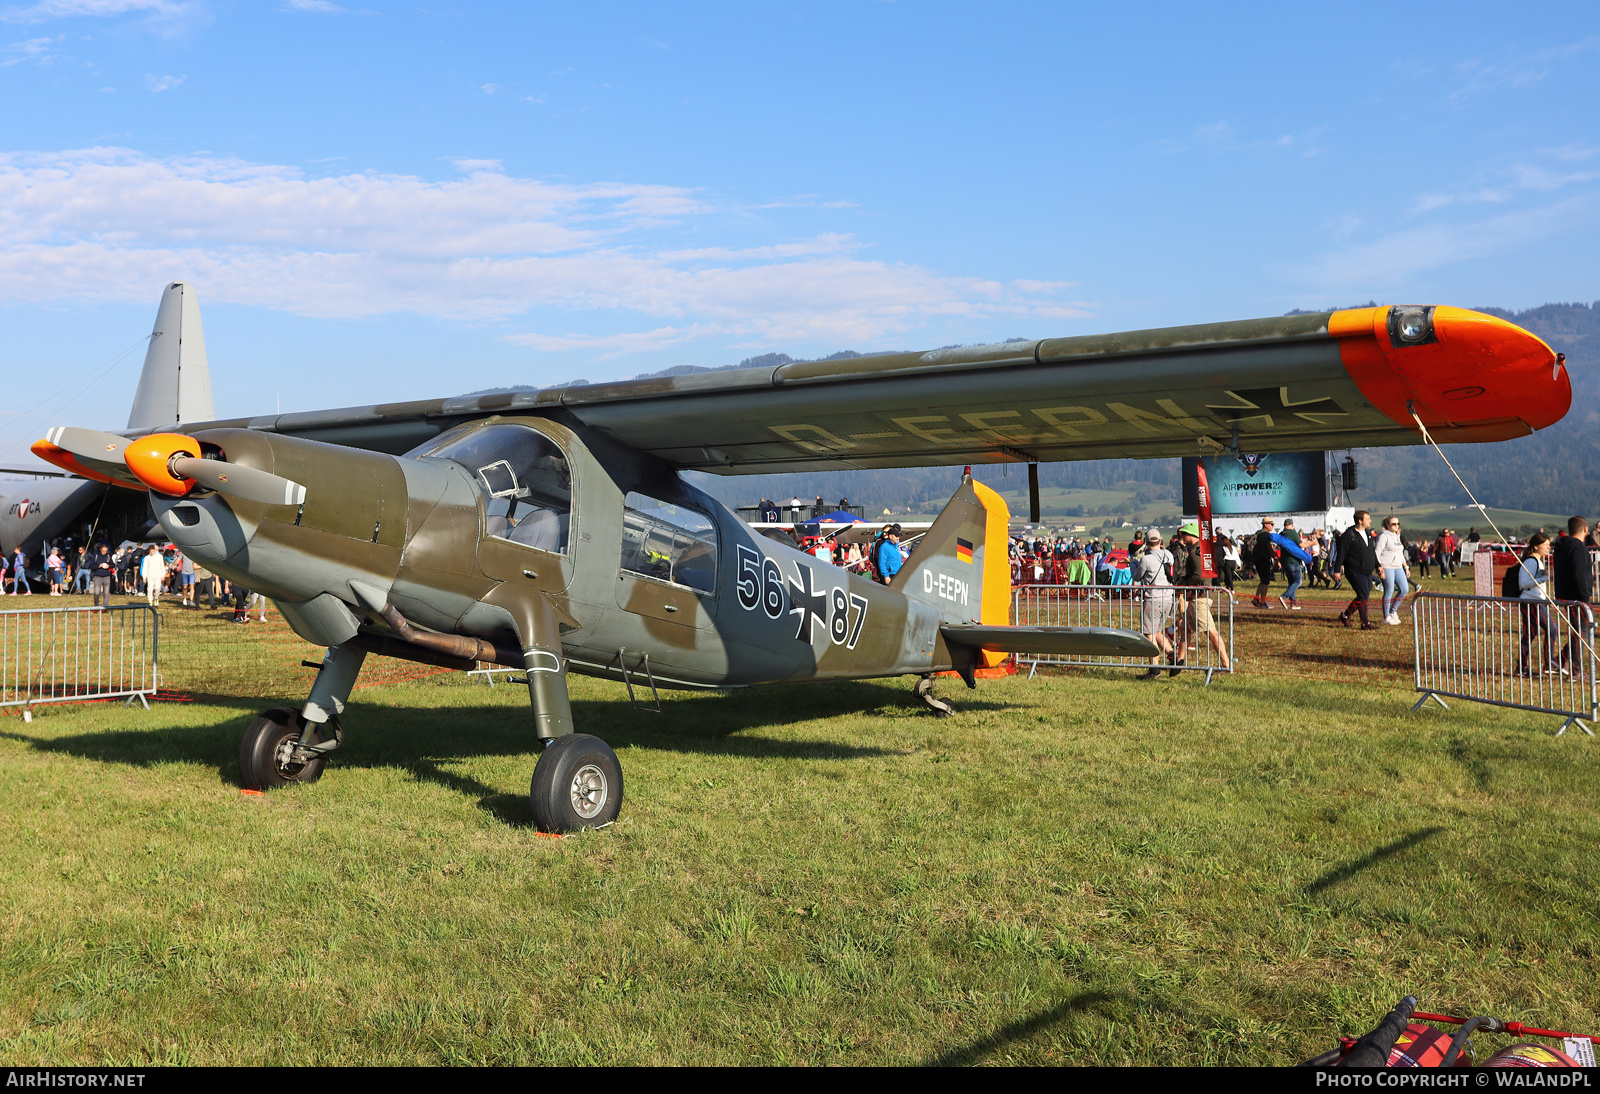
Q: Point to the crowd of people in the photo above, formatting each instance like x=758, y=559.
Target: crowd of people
x=132, y=569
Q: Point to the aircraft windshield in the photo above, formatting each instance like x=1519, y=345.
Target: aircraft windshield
x=524, y=478
x=669, y=542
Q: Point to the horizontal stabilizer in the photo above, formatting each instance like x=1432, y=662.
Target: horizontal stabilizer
x=1070, y=641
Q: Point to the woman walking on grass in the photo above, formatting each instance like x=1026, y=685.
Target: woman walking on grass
x=1531, y=578
x=1230, y=560
x=1391, y=551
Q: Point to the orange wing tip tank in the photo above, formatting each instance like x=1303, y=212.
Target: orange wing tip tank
x=150, y=459
x=1469, y=376
x=55, y=454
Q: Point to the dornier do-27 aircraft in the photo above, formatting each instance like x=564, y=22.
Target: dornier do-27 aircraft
x=552, y=531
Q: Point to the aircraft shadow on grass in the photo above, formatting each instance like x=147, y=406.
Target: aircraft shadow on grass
x=422, y=740
x=1367, y=861
x=1020, y=1030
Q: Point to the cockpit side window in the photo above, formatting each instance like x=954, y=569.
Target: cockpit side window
x=669, y=542
x=523, y=476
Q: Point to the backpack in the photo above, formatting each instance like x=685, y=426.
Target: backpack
x=1511, y=584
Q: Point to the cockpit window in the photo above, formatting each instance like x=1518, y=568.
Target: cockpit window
x=669, y=542
x=523, y=476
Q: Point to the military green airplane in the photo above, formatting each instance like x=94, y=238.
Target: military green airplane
x=552, y=531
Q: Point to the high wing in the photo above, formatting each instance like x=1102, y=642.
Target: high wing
x=1338, y=379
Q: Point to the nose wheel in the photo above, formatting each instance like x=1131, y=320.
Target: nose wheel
x=577, y=784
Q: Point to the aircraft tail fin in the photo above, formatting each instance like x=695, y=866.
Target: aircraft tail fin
x=961, y=565
x=175, y=386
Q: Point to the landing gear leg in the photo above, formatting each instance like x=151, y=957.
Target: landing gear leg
x=282, y=746
x=578, y=780
x=942, y=708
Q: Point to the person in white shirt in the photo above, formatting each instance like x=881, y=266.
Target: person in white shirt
x=152, y=570
x=1231, y=560
x=1391, y=552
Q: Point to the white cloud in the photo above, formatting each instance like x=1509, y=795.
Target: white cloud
x=33, y=49
x=319, y=6
x=615, y=345
x=1217, y=138
x=1521, y=70
x=66, y=9
x=1509, y=183
x=1377, y=265
x=158, y=84
x=104, y=224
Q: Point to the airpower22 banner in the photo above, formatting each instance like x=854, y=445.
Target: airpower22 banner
x=1271, y=482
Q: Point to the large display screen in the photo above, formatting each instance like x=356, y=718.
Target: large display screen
x=1273, y=482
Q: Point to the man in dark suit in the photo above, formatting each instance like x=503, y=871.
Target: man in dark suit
x=1360, y=564
x=1573, y=576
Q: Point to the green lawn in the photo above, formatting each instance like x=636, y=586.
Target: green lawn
x=1074, y=869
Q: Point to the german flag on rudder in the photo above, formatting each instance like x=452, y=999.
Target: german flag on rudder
x=964, y=550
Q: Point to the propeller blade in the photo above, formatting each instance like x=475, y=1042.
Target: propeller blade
x=88, y=443
x=246, y=483
x=90, y=453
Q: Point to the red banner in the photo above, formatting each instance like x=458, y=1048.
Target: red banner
x=1208, y=561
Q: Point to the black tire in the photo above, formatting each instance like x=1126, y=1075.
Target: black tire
x=263, y=758
x=578, y=784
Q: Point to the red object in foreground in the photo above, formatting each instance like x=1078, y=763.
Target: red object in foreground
x=1516, y=1029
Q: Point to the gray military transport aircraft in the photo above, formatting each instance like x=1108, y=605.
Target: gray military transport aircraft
x=174, y=390
x=552, y=531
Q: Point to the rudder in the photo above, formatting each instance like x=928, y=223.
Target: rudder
x=962, y=566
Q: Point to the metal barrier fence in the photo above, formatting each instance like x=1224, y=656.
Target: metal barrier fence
x=60, y=655
x=1179, y=612
x=1529, y=654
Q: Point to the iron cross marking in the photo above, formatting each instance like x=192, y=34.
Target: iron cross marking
x=1263, y=403
x=810, y=604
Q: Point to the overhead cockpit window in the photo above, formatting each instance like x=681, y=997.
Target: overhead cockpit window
x=523, y=476
x=669, y=542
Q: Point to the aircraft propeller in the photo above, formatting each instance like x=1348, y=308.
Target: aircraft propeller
x=236, y=481
x=168, y=463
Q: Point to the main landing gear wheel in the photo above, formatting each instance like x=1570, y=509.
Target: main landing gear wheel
x=266, y=753
x=578, y=784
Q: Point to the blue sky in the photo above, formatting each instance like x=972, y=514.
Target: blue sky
x=381, y=201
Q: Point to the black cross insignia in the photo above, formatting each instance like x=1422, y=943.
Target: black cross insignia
x=811, y=605
x=1262, y=403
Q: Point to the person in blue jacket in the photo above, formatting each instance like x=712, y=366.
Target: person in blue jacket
x=889, y=558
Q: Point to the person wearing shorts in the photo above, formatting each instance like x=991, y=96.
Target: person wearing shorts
x=1155, y=610
x=1198, y=619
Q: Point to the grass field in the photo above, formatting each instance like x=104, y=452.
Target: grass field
x=1075, y=869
